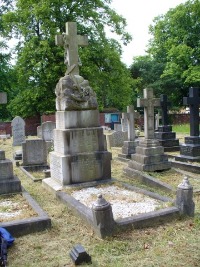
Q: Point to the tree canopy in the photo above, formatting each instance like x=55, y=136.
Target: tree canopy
x=40, y=62
x=173, y=63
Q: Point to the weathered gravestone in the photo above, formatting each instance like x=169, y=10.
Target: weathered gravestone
x=34, y=152
x=124, y=122
x=190, y=151
x=47, y=130
x=116, y=139
x=164, y=133
x=39, y=131
x=79, y=152
x=149, y=154
x=18, y=131
x=157, y=121
x=129, y=146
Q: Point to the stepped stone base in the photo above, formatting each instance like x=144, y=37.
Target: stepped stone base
x=167, y=138
x=149, y=156
x=128, y=149
x=190, y=151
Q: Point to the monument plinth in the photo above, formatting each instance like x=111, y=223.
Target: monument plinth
x=164, y=133
x=149, y=154
x=80, y=154
x=129, y=146
x=190, y=150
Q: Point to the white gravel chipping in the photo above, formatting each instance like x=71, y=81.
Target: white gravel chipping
x=8, y=206
x=125, y=203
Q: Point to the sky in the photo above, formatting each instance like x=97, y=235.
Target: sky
x=139, y=14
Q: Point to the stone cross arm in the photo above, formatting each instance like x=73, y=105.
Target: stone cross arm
x=144, y=102
x=71, y=40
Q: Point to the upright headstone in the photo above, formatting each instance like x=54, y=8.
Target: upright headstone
x=124, y=122
x=39, y=131
x=47, y=130
x=130, y=145
x=149, y=154
x=116, y=139
x=164, y=133
x=18, y=131
x=34, y=152
x=157, y=120
x=190, y=151
x=79, y=152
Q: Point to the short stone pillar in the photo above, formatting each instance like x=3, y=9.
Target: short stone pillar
x=184, y=198
x=103, y=217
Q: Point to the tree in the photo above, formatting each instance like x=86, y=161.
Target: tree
x=176, y=45
x=40, y=62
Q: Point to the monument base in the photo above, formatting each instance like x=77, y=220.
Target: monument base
x=190, y=151
x=167, y=138
x=128, y=149
x=9, y=186
x=149, y=156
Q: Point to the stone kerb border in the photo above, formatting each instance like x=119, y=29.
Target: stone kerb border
x=29, y=225
x=26, y=169
x=138, y=221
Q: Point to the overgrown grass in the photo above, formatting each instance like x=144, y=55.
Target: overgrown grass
x=171, y=244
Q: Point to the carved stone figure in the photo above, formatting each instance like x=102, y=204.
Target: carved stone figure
x=74, y=93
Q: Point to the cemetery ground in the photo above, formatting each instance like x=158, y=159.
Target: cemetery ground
x=172, y=244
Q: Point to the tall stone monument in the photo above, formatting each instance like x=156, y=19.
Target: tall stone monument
x=130, y=145
x=79, y=152
x=190, y=151
x=149, y=154
x=164, y=133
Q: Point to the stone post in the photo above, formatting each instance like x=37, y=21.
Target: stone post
x=103, y=217
x=184, y=198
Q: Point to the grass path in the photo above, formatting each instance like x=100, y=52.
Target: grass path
x=172, y=244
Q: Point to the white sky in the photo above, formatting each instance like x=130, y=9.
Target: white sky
x=139, y=15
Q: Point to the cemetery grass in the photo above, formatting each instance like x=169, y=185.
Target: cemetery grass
x=171, y=244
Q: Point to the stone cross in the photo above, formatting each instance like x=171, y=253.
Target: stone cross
x=164, y=104
x=70, y=40
x=148, y=102
x=193, y=101
x=131, y=115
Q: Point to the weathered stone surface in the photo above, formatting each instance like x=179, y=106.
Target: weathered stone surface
x=34, y=152
x=129, y=147
x=116, y=139
x=18, y=131
x=47, y=130
x=77, y=119
x=74, y=93
x=165, y=135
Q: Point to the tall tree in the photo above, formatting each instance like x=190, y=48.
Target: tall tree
x=40, y=62
x=175, y=44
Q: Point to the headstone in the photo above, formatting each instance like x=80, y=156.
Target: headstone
x=149, y=154
x=34, y=152
x=124, y=122
x=18, y=131
x=157, y=121
x=164, y=133
x=39, y=131
x=129, y=146
x=47, y=130
x=79, y=152
x=8, y=182
x=117, y=127
x=190, y=150
x=116, y=139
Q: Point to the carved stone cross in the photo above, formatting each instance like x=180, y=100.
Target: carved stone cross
x=70, y=40
x=164, y=104
x=131, y=115
x=148, y=102
x=193, y=101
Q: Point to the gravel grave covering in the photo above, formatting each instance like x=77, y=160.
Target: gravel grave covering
x=124, y=202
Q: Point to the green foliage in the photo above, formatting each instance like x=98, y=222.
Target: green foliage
x=172, y=64
x=40, y=62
